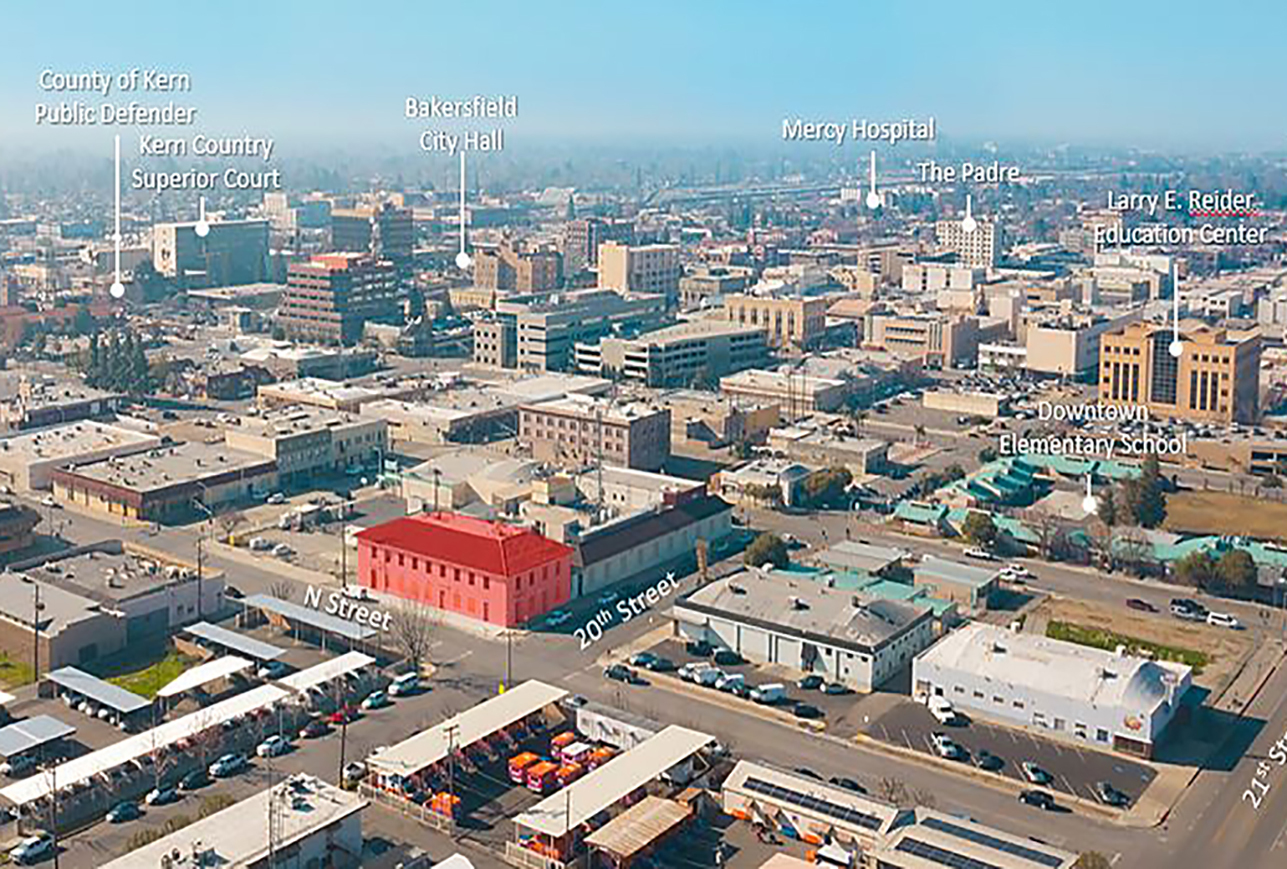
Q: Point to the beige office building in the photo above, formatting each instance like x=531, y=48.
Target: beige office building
x=649, y=268
x=938, y=340
x=578, y=429
x=980, y=248
x=788, y=321
x=1216, y=377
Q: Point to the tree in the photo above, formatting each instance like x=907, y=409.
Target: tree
x=1195, y=569
x=1236, y=571
x=987, y=454
x=1107, y=509
x=1092, y=860
x=827, y=487
x=1143, y=497
x=766, y=549
x=979, y=529
x=411, y=625
x=1134, y=550
x=282, y=589
x=228, y=522
x=892, y=790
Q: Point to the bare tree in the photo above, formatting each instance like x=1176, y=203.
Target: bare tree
x=892, y=790
x=920, y=797
x=412, y=625
x=229, y=522
x=207, y=739
x=282, y=589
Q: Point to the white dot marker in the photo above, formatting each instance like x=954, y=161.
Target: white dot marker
x=118, y=290
x=202, y=229
x=1177, y=348
x=969, y=224
x=874, y=200
x=464, y=260
x=1090, y=504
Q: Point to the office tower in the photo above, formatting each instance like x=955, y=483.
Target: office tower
x=980, y=248
x=649, y=268
x=1216, y=377
x=388, y=232
x=507, y=267
x=232, y=252
x=329, y=297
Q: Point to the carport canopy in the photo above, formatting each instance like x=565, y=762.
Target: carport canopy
x=32, y=733
x=204, y=674
x=310, y=617
x=93, y=688
x=249, y=647
x=326, y=671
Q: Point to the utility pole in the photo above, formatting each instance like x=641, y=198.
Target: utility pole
x=451, y=729
x=509, y=655
x=344, y=551
x=598, y=416
x=200, y=564
x=35, y=632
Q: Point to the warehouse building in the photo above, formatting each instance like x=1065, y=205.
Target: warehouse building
x=844, y=636
x=971, y=588
x=1065, y=691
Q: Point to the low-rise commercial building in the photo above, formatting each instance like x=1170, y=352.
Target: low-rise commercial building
x=580, y=429
x=928, y=839
x=695, y=352
x=1066, y=691
x=972, y=588
x=796, y=393
x=289, y=362
x=763, y=481
x=301, y=822
x=27, y=460
x=490, y=571
x=165, y=484
x=843, y=636
x=824, y=449
x=985, y=404
x=302, y=442
x=716, y=420
x=37, y=402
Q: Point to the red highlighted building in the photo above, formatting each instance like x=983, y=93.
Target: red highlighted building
x=485, y=570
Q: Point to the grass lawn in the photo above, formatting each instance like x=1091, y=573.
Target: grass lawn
x=1102, y=639
x=147, y=681
x=14, y=673
x=1226, y=513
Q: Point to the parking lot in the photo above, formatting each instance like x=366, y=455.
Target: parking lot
x=1075, y=770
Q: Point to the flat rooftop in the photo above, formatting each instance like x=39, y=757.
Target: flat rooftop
x=107, y=573
x=161, y=468
x=954, y=571
x=854, y=555
x=933, y=840
x=59, y=607
x=762, y=378
x=587, y=407
x=318, y=389
x=1081, y=674
x=805, y=608
x=239, y=835
x=288, y=421
x=63, y=442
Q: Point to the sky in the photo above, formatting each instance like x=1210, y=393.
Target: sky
x=1177, y=76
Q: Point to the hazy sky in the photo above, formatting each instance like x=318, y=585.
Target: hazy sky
x=1186, y=74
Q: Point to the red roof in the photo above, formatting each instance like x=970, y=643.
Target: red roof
x=491, y=547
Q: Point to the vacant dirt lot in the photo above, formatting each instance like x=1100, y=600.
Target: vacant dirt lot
x=1226, y=513
x=1224, y=647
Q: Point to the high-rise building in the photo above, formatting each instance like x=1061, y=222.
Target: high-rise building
x=507, y=267
x=649, y=268
x=386, y=232
x=977, y=248
x=329, y=297
x=696, y=352
x=1216, y=377
x=582, y=237
x=232, y=252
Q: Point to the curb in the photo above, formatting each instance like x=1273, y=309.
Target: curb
x=733, y=703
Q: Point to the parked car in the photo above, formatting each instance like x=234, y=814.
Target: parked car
x=642, y=659
x=660, y=665
x=811, y=682
x=33, y=848
x=835, y=688
x=353, y=773
x=848, y=784
x=271, y=670
x=198, y=778
x=160, y=796
x=1143, y=606
x=122, y=812
x=729, y=681
x=981, y=554
x=768, y=694
x=807, y=773
x=1040, y=799
x=608, y=598
x=699, y=648
x=314, y=728
x=273, y=746
x=19, y=764
x=1035, y=774
x=986, y=760
x=806, y=710
x=689, y=671
x=1111, y=796
x=728, y=658
x=344, y=715
x=404, y=685
x=619, y=673
x=1223, y=620
x=946, y=746
x=357, y=592
x=376, y=700
x=276, y=498
x=229, y=764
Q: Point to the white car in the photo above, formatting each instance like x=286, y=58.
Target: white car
x=1018, y=570
x=49, y=501
x=1223, y=620
x=981, y=554
x=276, y=498
x=33, y=848
x=273, y=746
x=227, y=765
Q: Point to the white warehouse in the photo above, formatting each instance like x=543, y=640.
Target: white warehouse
x=1075, y=693
x=843, y=636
